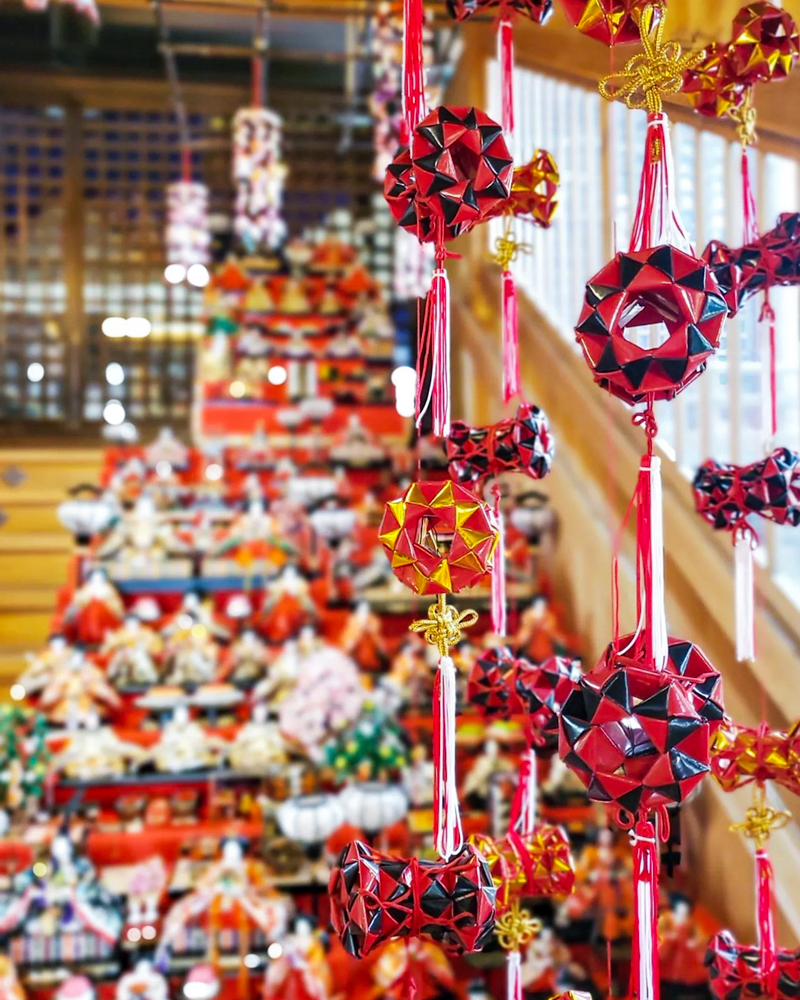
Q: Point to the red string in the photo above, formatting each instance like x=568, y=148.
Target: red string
x=644, y=966
x=186, y=164
x=766, y=927
x=258, y=81
x=768, y=315
x=505, y=39
x=413, y=64
x=438, y=778
x=512, y=382
x=656, y=219
x=750, y=212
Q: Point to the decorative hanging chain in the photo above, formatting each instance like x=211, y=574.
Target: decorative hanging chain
x=651, y=74
x=746, y=118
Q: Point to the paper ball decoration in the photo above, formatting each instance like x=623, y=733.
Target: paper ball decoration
x=741, y=755
x=782, y=247
x=521, y=444
x=538, y=11
x=637, y=737
x=711, y=86
x=739, y=273
x=488, y=687
x=462, y=166
x=539, y=865
x=612, y=22
x=534, y=189
x=414, y=527
x=376, y=897
x=187, y=235
x=541, y=690
x=259, y=175
x=765, y=43
x=726, y=495
x=402, y=197
x=735, y=970
x=658, y=286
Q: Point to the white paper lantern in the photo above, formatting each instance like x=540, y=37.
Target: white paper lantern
x=86, y=517
x=310, y=819
x=372, y=805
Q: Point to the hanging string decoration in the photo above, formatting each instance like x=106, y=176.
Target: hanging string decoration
x=523, y=443
x=187, y=235
x=258, y=176
x=659, y=283
x=612, y=22
x=742, y=755
x=376, y=897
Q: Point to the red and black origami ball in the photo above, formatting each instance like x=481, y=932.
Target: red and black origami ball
x=541, y=690
x=726, y=495
x=638, y=737
x=376, y=897
x=735, y=970
x=462, y=166
x=409, y=211
x=538, y=11
x=521, y=444
x=663, y=288
x=712, y=87
x=488, y=685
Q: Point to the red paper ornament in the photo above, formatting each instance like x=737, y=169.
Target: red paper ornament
x=638, y=737
x=541, y=691
x=727, y=495
x=765, y=43
x=462, y=166
x=538, y=11
x=741, y=755
x=376, y=897
x=735, y=970
x=534, y=189
x=520, y=444
x=538, y=864
x=409, y=211
x=488, y=685
x=662, y=285
x=712, y=87
x=413, y=526
x=612, y=22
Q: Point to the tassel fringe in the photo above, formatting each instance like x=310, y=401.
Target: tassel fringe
x=448, y=834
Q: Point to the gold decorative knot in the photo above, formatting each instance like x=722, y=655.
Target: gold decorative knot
x=444, y=625
x=507, y=249
x=657, y=71
x=746, y=118
x=759, y=822
x=516, y=928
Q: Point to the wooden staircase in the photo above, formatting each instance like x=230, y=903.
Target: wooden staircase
x=34, y=548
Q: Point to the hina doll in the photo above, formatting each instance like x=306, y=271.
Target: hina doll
x=43, y=666
x=193, y=612
x=143, y=982
x=362, y=639
x=142, y=540
x=76, y=692
x=131, y=654
x=97, y=752
x=191, y=656
x=288, y=606
x=147, y=886
x=541, y=962
x=96, y=608
x=281, y=676
x=10, y=987
x=603, y=889
x=681, y=950
x=540, y=635
x=301, y=972
x=416, y=960
x=258, y=746
x=246, y=660
x=253, y=542
x=185, y=746
x=167, y=449
x=484, y=774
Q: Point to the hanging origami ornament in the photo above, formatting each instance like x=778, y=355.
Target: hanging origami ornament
x=520, y=444
x=612, y=22
x=765, y=43
x=187, y=236
x=712, y=87
x=409, y=210
x=660, y=282
x=376, y=897
x=489, y=687
x=727, y=496
x=741, y=755
x=637, y=737
x=538, y=11
x=534, y=189
x=410, y=532
x=541, y=689
x=258, y=175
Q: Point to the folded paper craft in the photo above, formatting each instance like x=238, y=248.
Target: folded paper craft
x=741, y=755
x=414, y=530
x=523, y=443
x=712, y=87
x=376, y=897
x=536, y=865
x=765, y=43
x=735, y=970
x=612, y=22
x=727, y=495
x=662, y=285
x=538, y=11
x=408, y=209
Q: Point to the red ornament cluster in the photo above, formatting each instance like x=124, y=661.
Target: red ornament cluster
x=376, y=897
x=662, y=285
x=523, y=443
x=735, y=970
x=538, y=11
